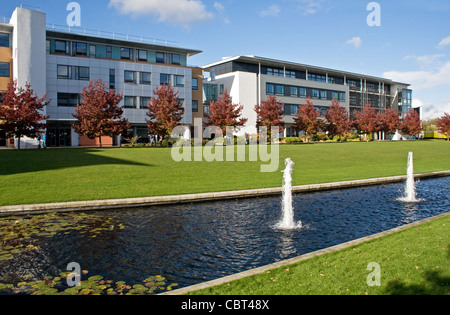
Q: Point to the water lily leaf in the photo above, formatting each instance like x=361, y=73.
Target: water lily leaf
x=95, y=278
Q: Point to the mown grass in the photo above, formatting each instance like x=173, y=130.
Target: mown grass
x=415, y=261
x=61, y=175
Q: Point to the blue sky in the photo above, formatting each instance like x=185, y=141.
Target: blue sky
x=412, y=44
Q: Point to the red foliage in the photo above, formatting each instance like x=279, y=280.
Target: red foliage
x=224, y=113
x=337, y=119
x=444, y=124
x=412, y=125
x=390, y=121
x=270, y=114
x=99, y=114
x=164, y=110
x=307, y=118
x=20, y=112
x=368, y=120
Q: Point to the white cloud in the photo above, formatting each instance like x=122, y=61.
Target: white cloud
x=219, y=6
x=355, y=41
x=423, y=79
x=444, y=43
x=430, y=110
x=182, y=12
x=427, y=61
x=273, y=10
x=307, y=7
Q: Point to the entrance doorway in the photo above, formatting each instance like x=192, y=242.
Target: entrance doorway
x=59, y=137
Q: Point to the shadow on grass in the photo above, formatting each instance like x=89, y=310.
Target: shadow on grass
x=434, y=284
x=28, y=161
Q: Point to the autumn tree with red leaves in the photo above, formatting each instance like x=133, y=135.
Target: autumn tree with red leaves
x=337, y=119
x=389, y=121
x=412, y=125
x=444, y=124
x=21, y=112
x=367, y=121
x=224, y=113
x=99, y=114
x=270, y=114
x=164, y=110
x=307, y=119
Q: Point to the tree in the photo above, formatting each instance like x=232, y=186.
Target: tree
x=164, y=110
x=20, y=112
x=224, y=113
x=270, y=114
x=444, y=124
x=412, y=125
x=367, y=121
x=337, y=119
x=307, y=119
x=99, y=114
x=390, y=121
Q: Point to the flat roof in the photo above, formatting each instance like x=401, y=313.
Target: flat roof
x=296, y=66
x=123, y=42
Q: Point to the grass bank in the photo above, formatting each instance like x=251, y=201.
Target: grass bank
x=62, y=175
x=415, y=261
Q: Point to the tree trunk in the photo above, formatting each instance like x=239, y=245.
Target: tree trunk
x=100, y=141
x=18, y=143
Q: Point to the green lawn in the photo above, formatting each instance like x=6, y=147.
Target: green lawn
x=59, y=175
x=415, y=261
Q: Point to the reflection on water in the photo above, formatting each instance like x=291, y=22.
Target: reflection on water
x=189, y=244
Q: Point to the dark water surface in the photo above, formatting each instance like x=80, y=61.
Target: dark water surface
x=189, y=244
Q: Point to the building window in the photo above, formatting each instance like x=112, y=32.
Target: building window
x=280, y=90
x=126, y=53
x=130, y=102
x=62, y=47
x=64, y=72
x=4, y=40
x=303, y=92
x=165, y=79
x=194, y=106
x=130, y=77
x=92, y=51
x=69, y=99
x=275, y=72
x=342, y=96
x=112, y=79
x=221, y=89
x=290, y=74
x=179, y=80
x=160, y=57
x=294, y=91
x=270, y=89
x=315, y=93
x=144, y=102
x=317, y=77
x=146, y=78
x=142, y=55
x=82, y=73
x=175, y=59
x=109, y=52
x=323, y=95
x=4, y=69
x=194, y=83
x=79, y=49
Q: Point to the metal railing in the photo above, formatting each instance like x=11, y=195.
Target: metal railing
x=111, y=35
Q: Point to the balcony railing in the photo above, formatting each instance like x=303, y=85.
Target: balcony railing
x=111, y=35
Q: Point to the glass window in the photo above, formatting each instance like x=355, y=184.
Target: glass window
x=4, y=40
x=179, y=80
x=62, y=47
x=146, y=78
x=315, y=93
x=270, y=89
x=195, y=84
x=79, y=49
x=280, y=90
x=64, y=72
x=130, y=77
x=144, y=102
x=323, y=95
x=68, y=99
x=302, y=92
x=130, y=102
x=175, y=59
x=160, y=57
x=109, y=52
x=165, y=79
x=342, y=96
x=294, y=91
x=126, y=53
x=82, y=73
x=4, y=69
x=92, y=51
x=290, y=74
x=112, y=79
x=142, y=55
x=221, y=89
x=194, y=106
